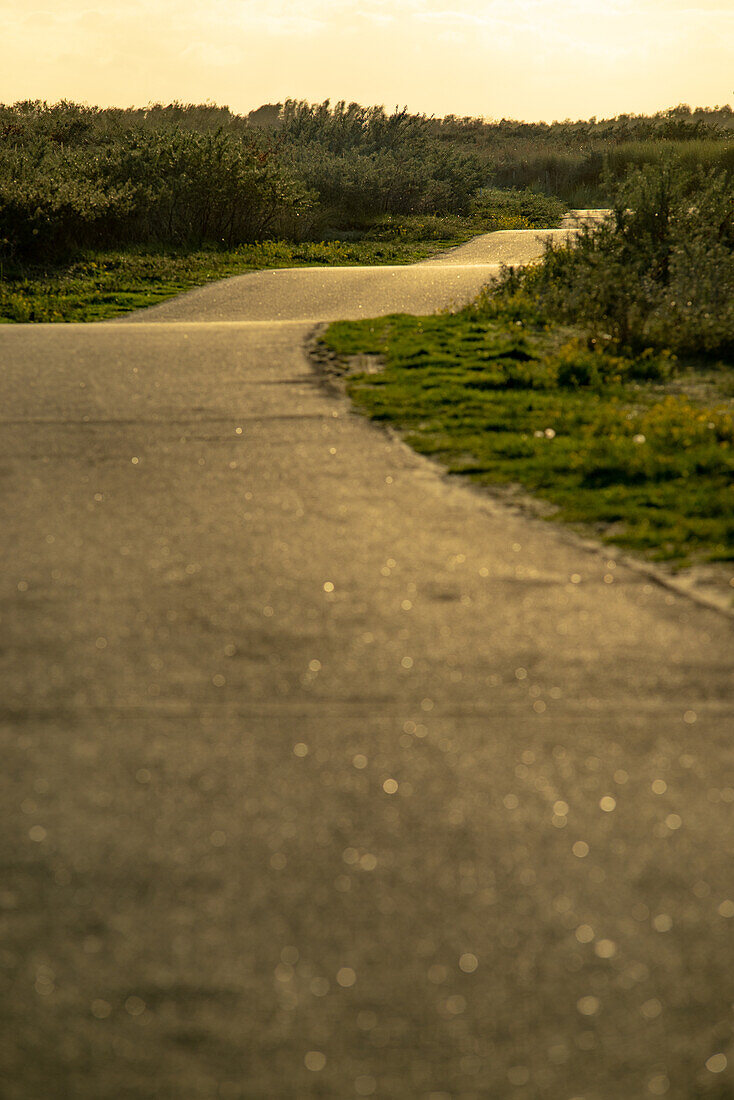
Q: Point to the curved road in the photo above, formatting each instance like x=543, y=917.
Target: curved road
x=323, y=775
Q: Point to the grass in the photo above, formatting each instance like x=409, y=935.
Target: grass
x=587, y=177
x=638, y=450
x=101, y=285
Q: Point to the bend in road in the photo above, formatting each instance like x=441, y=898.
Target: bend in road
x=325, y=777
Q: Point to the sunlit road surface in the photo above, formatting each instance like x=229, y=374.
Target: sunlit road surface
x=323, y=775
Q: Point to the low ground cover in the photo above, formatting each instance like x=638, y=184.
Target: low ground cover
x=640, y=449
x=98, y=284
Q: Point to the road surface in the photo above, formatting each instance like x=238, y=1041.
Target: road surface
x=323, y=775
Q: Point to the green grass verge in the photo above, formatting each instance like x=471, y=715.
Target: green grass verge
x=101, y=285
x=639, y=450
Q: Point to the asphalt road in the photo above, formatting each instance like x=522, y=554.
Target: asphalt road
x=323, y=775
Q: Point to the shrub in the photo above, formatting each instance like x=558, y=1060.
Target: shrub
x=169, y=186
x=537, y=211
x=364, y=162
x=658, y=274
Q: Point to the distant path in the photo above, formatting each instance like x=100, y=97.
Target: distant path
x=345, y=293
x=323, y=775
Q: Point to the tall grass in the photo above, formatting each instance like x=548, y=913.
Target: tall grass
x=587, y=178
x=577, y=160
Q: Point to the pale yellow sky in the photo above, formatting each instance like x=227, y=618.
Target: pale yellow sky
x=533, y=59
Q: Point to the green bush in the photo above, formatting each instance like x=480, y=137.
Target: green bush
x=169, y=186
x=537, y=211
x=364, y=162
x=658, y=274
x=193, y=187
x=50, y=203
x=73, y=177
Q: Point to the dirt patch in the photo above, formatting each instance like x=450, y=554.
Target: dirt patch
x=334, y=370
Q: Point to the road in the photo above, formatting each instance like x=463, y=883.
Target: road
x=324, y=775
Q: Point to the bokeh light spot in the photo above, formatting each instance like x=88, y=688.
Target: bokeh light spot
x=588, y=1006
x=717, y=1063
x=658, y=1085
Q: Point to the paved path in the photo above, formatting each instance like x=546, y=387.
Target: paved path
x=325, y=776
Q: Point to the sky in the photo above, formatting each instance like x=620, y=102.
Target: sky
x=528, y=59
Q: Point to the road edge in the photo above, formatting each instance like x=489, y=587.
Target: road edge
x=329, y=371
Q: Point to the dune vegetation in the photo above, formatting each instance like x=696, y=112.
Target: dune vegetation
x=581, y=161
x=105, y=210
x=600, y=379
